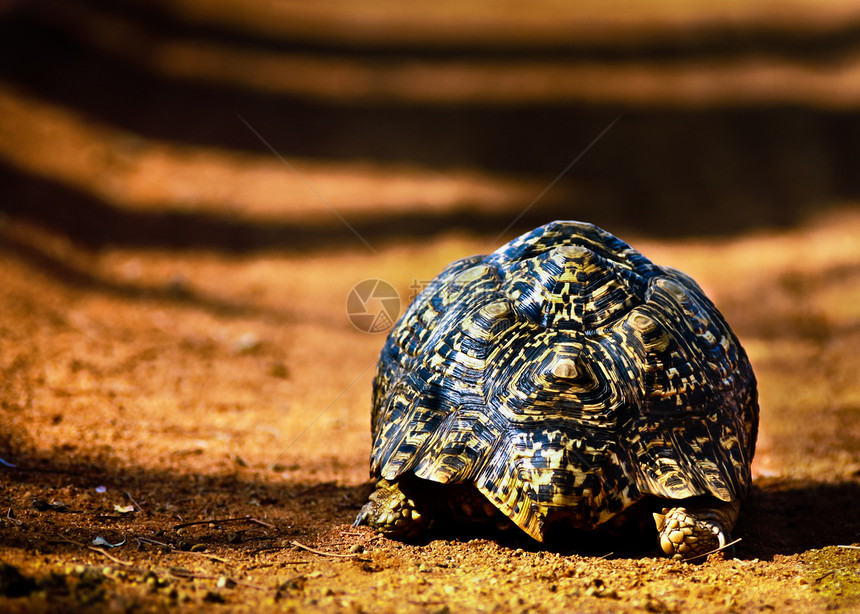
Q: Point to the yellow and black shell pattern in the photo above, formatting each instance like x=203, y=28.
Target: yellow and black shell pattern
x=565, y=376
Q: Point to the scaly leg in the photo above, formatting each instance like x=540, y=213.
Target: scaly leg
x=693, y=530
x=390, y=512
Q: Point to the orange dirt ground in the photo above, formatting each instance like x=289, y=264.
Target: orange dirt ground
x=184, y=403
x=209, y=387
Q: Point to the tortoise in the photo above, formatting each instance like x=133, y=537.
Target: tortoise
x=563, y=382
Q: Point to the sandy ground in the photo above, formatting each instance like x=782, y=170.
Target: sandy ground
x=184, y=402
x=143, y=391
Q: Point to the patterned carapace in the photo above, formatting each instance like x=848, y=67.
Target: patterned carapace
x=565, y=376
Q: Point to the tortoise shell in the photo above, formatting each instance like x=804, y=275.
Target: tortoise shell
x=566, y=377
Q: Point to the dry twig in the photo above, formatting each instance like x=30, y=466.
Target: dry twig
x=110, y=556
x=133, y=502
x=225, y=521
x=273, y=549
x=12, y=518
x=152, y=541
x=322, y=552
x=209, y=556
x=177, y=550
x=698, y=556
x=94, y=549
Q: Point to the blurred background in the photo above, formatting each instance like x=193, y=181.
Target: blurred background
x=153, y=124
x=191, y=189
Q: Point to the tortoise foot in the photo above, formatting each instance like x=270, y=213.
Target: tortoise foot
x=688, y=532
x=390, y=512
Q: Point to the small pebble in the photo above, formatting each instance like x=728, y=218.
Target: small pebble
x=225, y=582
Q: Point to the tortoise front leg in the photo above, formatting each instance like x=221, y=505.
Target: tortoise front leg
x=390, y=512
x=690, y=531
